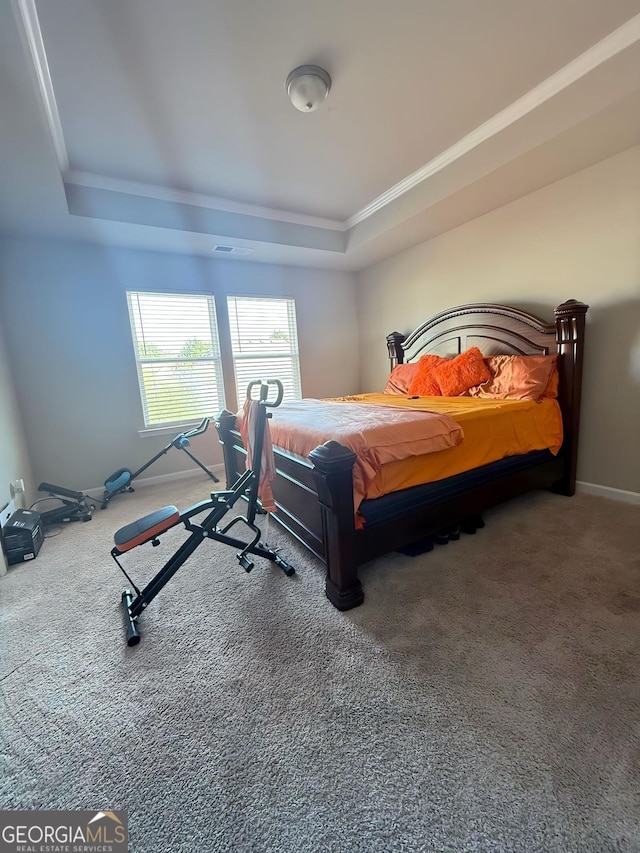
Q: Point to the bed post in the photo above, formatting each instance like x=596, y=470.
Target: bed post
x=333, y=475
x=225, y=422
x=570, y=329
x=394, y=345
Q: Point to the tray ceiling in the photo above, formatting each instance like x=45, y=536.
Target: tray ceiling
x=171, y=127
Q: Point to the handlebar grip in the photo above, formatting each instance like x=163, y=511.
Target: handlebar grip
x=264, y=391
x=252, y=385
x=202, y=427
x=279, y=395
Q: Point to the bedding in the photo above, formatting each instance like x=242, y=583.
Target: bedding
x=378, y=433
x=553, y=385
x=314, y=494
x=493, y=429
x=517, y=377
x=406, y=441
x=400, y=379
x=424, y=383
x=508, y=377
x=456, y=375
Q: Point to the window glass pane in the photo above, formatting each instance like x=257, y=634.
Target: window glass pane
x=177, y=351
x=264, y=340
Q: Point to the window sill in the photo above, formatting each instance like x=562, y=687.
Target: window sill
x=172, y=430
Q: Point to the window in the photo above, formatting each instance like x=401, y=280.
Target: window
x=175, y=337
x=264, y=341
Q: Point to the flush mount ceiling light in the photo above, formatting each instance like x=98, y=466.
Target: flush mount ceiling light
x=307, y=87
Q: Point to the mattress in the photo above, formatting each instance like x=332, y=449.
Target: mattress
x=493, y=430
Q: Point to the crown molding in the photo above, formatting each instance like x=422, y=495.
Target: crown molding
x=613, y=44
x=26, y=16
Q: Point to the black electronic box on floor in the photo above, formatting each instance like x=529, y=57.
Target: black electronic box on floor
x=22, y=536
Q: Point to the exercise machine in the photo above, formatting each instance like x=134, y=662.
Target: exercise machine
x=152, y=526
x=120, y=481
x=73, y=506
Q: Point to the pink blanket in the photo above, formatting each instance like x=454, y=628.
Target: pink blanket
x=376, y=434
x=267, y=474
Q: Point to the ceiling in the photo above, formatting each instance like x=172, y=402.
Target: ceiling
x=165, y=125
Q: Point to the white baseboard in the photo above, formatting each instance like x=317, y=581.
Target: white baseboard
x=144, y=482
x=608, y=492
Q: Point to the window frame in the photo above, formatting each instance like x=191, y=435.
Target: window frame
x=216, y=359
x=294, y=356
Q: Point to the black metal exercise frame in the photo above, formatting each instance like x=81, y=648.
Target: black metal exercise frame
x=73, y=506
x=149, y=528
x=120, y=481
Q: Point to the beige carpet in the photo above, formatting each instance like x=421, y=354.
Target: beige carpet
x=485, y=696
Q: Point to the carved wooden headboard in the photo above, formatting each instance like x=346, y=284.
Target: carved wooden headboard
x=500, y=329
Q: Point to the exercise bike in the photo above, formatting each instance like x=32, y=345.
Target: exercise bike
x=120, y=481
x=150, y=527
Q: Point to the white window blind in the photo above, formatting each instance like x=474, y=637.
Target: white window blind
x=175, y=337
x=264, y=339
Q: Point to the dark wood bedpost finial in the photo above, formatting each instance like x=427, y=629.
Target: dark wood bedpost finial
x=394, y=345
x=570, y=330
x=333, y=474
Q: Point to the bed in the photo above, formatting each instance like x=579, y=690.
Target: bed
x=314, y=496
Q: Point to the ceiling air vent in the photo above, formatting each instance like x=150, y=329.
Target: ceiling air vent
x=231, y=250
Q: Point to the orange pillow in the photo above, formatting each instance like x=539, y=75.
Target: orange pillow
x=457, y=375
x=517, y=377
x=423, y=383
x=399, y=379
x=554, y=384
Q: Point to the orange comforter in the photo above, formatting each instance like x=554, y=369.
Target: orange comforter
x=493, y=429
x=379, y=434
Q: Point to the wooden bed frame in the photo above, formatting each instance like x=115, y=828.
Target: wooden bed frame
x=314, y=497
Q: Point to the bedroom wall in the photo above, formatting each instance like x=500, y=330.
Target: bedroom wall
x=14, y=458
x=578, y=238
x=72, y=361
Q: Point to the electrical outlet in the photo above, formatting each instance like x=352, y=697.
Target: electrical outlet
x=16, y=487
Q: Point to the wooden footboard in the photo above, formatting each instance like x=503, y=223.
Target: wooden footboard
x=314, y=501
x=314, y=497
